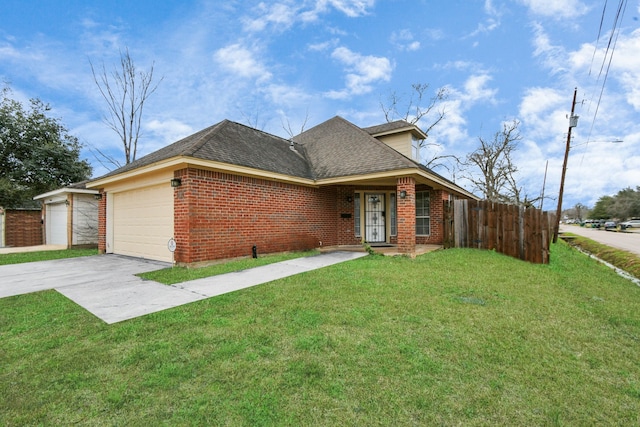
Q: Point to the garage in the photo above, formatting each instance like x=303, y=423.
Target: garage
x=56, y=224
x=143, y=222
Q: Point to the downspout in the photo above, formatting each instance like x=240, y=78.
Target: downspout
x=1, y=227
x=69, y=220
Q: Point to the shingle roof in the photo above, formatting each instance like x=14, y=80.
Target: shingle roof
x=390, y=127
x=338, y=148
x=386, y=127
x=333, y=149
x=235, y=144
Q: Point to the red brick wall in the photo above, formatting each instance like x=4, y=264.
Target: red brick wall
x=23, y=228
x=220, y=215
x=407, y=215
x=102, y=223
x=346, y=216
x=437, y=217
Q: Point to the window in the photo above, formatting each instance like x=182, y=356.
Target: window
x=415, y=148
x=393, y=209
x=422, y=213
x=356, y=213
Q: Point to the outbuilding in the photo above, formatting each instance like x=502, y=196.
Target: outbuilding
x=70, y=216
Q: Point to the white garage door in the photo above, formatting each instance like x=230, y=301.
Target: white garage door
x=56, y=226
x=143, y=222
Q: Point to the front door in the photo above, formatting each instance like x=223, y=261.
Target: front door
x=374, y=218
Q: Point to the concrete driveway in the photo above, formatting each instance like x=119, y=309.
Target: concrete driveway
x=106, y=285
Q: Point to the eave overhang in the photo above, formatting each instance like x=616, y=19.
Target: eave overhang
x=387, y=178
x=62, y=191
x=181, y=162
x=415, y=131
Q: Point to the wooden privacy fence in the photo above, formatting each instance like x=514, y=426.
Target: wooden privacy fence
x=508, y=229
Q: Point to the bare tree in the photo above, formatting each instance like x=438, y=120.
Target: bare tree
x=288, y=128
x=126, y=91
x=494, y=160
x=580, y=210
x=413, y=111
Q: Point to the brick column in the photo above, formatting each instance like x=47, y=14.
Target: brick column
x=102, y=222
x=182, y=199
x=407, y=216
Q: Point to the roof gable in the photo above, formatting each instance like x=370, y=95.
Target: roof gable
x=235, y=144
x=338, y=148
x=397, y=126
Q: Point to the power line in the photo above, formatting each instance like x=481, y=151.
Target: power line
x=608, y=54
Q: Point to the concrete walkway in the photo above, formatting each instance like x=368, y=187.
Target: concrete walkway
x=106, y=285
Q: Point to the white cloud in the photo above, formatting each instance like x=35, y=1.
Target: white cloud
x=167, y=131
x=241, y=61
x=459, y=65
x=557, y=9
x=8, y=52
x=404, y=40
x=597, y=168
x=280, y=15
x=351, y=8
x=625, y=64
x=362, y=72
x=543, y=112
x=434, y=34
x=284, y=14
x=491, y=23
x=553, y=56
x=452, y=132
x=476, y=90
x=98, y=38
x=286, y=95
x=321, y=47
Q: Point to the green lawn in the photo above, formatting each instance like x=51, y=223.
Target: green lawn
x=169, y=276
x=624, y=260
x=23, y=257
x=455, y=337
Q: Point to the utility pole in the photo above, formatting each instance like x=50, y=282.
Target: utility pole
x=573, y=122
x=544, y=184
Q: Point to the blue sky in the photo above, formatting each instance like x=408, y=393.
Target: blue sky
x=277, y=64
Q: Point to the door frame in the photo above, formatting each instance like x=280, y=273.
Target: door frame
x=373, y=212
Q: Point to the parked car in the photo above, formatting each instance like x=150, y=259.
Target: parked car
x=610, y=225
x=632, y=223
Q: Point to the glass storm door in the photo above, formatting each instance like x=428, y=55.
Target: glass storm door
x=374, y=218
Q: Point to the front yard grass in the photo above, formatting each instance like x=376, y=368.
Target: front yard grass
x=169, y=276
x=453, y=337
x=22, y=257
x=624, y=260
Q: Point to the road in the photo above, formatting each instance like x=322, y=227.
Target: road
x=628, y=241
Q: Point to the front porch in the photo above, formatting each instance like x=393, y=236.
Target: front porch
x=386, y=250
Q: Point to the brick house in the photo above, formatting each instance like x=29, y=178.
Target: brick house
x=227, y=188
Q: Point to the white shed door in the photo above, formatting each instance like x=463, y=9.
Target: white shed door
x=56, y=226
x=143, y=222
